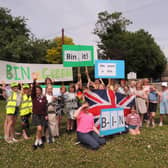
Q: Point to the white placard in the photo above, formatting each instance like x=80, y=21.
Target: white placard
x=76, y=56
x=131, y=75
x=112, y=121
x=107, y=69
x=20, y=72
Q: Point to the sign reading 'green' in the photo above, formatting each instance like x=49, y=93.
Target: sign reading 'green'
x=78, y=55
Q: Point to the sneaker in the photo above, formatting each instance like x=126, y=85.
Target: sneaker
x=34, y=147
x=160, y=124
x=53, y=139
x=9, y=141
x=41, y=145
x=153, y=124
x=148, y=124
x=78, y=142
x=14, y=140
x=48, y=140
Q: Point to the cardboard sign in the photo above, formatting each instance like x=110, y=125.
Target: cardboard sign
x=11, y=72
x=110, y=69
x=56, y=89
x=77, y=55
x=112, y=121
x=131, y=75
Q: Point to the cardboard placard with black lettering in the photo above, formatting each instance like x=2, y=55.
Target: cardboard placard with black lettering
x=110, y=69
x=112, y=121
x=78, y=55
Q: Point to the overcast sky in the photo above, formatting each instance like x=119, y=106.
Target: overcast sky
x=78, y=17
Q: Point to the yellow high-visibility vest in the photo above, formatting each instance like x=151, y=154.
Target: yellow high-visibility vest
x=30, y=104
x=26, y=105
x=11, y=103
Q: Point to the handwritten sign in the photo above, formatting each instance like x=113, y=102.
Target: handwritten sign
x=112, y=121
x=77, y=55
x=11, y=71
x=110, y=69
x=131, y=75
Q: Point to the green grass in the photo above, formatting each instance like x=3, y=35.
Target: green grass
x=148, y=150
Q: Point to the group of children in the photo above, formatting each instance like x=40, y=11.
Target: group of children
x=47, y=109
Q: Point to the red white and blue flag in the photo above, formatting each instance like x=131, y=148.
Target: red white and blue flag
x=104, y=99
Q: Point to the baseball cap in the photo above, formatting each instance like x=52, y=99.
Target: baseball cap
x=26, y=86
x=14, y=84
x=164, y=84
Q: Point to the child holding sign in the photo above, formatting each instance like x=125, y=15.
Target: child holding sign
x=133, y=121
x=71, y=106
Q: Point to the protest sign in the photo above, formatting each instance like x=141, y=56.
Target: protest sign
x=78, y=55
x=11, y=72
x=56, y=89
x=131, y=75
x=110, y=69
x=112, y=121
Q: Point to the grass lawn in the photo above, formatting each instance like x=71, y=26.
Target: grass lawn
x=148, y=150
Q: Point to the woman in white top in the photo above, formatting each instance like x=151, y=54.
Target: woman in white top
x=53, y=129
x=141, y=99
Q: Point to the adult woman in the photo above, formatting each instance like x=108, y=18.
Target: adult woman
x=53, y=129
x=132, y=87
x=141, y=99
x=87, y=133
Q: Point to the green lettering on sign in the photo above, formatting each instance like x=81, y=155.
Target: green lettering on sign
x=44, y=73
x=25, y=72
x=8, y=72
x=16, y=73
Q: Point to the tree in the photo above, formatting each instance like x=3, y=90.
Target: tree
x=16, y=41
x=54, y=53
x=13, y=36
x=138, y=49
x=38, y=50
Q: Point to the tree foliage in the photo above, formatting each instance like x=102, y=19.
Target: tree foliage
x=54, y=53
x=138, y=49
x=16, y=41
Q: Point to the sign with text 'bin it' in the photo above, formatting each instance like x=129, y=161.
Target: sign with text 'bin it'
x=110, y=69
x=78, y=55
x=112, y=121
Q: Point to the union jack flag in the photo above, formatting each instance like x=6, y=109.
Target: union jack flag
x=104, y=99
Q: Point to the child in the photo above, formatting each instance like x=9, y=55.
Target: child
x=39, y=113
x=12, y=110
x=60, y=104
x=153, y=100
x=71, y=106
x=133, y=121
x=163, y=102
x=25, y=110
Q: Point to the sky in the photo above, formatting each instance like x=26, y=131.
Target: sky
x=46, y=18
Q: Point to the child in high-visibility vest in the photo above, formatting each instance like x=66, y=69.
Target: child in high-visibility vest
x=12, y=109
x=25, y=109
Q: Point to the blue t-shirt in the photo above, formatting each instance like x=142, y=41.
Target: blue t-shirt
x=153, y=96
